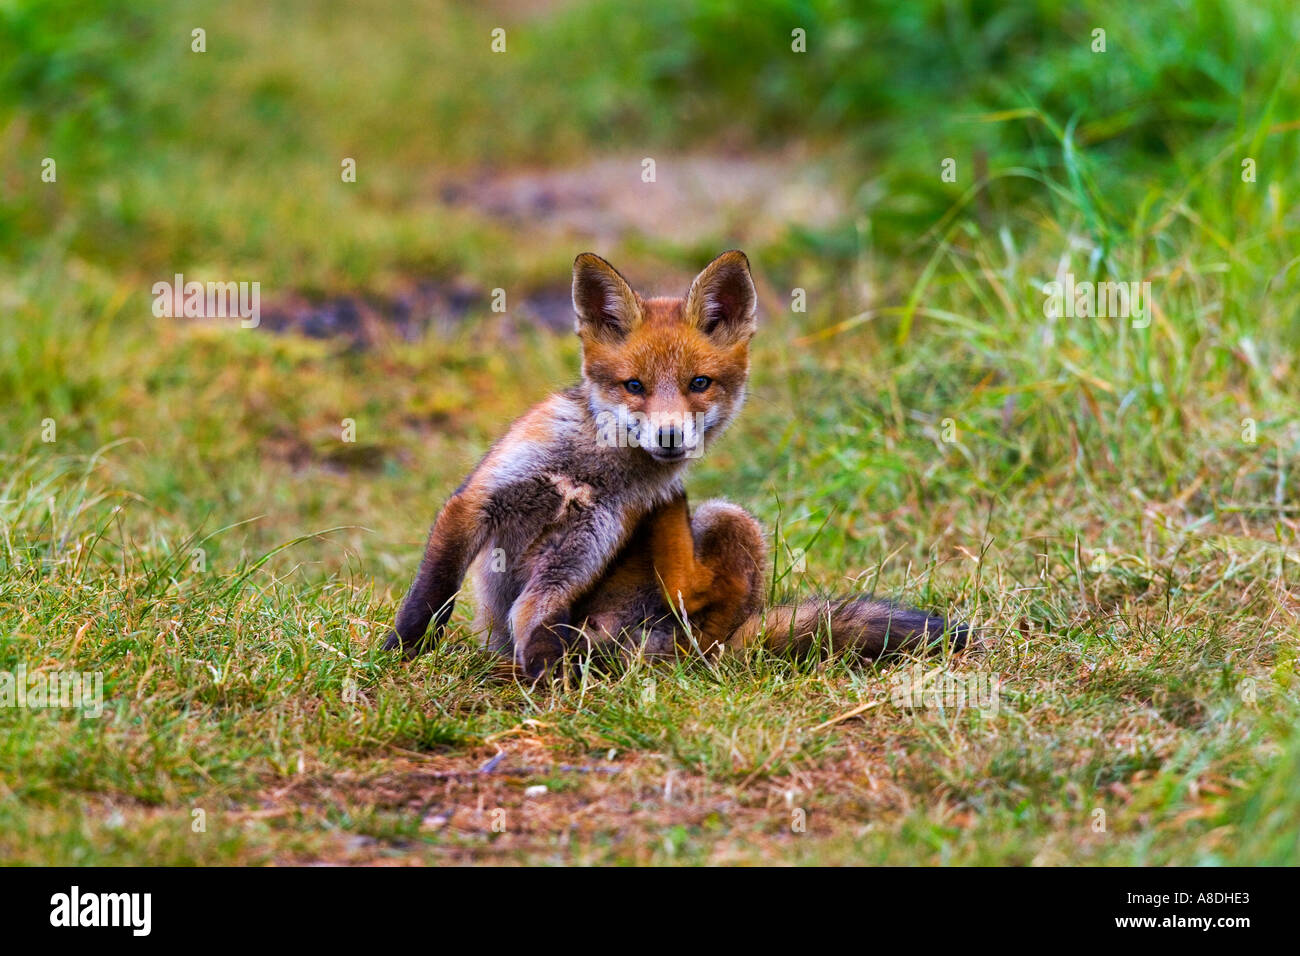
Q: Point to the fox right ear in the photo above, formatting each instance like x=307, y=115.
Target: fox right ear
x=722, y=300
x=607, y=307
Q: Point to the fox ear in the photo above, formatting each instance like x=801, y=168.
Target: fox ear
x=607, y=307
x=722, y=302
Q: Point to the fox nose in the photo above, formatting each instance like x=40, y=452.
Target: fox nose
x=670, y=436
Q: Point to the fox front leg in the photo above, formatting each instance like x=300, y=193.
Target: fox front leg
x=565, y=568
x=456, y=536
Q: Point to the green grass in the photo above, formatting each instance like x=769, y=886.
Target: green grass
x=1082, y=490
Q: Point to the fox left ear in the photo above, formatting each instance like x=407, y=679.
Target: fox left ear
x=722, y=302
x=605, y=304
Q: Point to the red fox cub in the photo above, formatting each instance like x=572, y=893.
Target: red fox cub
x=576, y=525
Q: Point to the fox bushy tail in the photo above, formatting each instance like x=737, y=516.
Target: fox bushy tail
x=868, y=626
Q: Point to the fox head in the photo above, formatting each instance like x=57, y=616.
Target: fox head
x=665, y=374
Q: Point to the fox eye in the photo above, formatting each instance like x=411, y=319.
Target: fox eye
x=700, y=382
x=634, y=386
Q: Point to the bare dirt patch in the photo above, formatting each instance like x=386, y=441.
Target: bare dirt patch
x=524, y=805
x=692, y=198
x=364, y=319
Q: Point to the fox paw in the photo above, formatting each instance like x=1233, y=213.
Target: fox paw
x=539, y=652
x=410, y=649
x=539, y=655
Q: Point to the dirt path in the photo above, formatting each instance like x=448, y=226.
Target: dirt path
x=714, y=199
